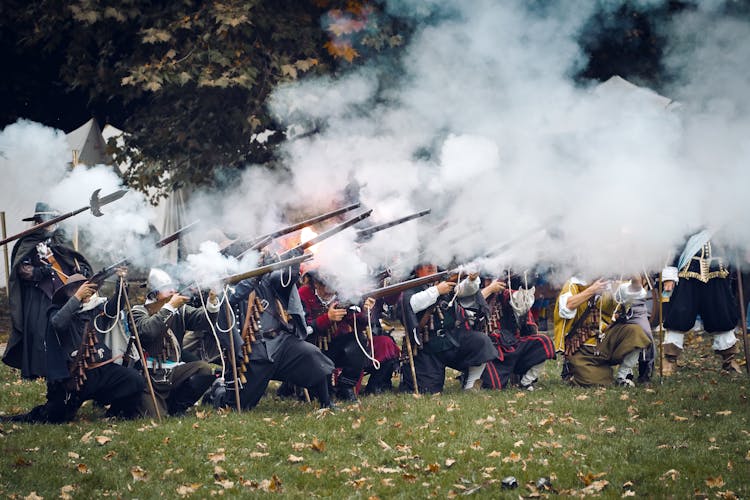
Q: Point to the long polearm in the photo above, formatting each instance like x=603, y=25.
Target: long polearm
x=239, y=246
x=661, y=329
x=94, y=205
x=743, y=316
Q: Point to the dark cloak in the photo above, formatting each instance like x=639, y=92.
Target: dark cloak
x=29, y=304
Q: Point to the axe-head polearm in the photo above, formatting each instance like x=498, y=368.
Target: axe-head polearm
x=268, y=268
x=240, y=246
x=365, y=234
x=95, y=204
x=172, y=237
x=326, y=234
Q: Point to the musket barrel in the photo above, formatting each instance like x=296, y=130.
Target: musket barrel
x=258, y=271
x=364, y=233
x=241, y=246
x=327, y=234
x=172, y=237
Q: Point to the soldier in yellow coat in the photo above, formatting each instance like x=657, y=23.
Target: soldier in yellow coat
x=593, y=330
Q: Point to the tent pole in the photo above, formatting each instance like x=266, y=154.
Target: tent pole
x=5, y=255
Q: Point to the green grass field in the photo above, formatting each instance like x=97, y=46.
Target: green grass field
x=688, y=437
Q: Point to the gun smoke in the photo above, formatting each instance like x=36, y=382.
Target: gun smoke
x=483, y=122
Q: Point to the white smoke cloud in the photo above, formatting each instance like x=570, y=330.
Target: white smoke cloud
x=481, y=121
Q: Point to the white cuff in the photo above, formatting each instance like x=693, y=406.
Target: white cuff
x=169, y=307
x=213, y=307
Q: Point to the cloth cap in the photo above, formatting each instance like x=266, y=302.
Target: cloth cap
x=159, y=280
x=42, y=212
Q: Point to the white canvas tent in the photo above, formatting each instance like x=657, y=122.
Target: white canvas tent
x=622, y=88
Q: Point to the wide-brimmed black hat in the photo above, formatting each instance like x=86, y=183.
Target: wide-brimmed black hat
x=42, y=212
x=66, y=291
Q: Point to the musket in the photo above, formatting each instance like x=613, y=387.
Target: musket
x=172, y=237
x=326, y=234
x=108, y=271
x=239, y=247
x=94, y=205
x=233, y=279
x=259, y=271
x=365, y=234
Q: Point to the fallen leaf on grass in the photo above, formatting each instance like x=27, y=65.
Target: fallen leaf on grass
x=217, y=457
x=225, y=483
x=384, y=445
x=102, y=440
x=724, y=413
x=83, y=469
x=590, y=477
x=294, y=459
x=449, y=462
x=138, y=473
x=257, y=454
x=33, y=496
x=318, y=446
x=65, y=492
x=670, y=474
x=86, y=437
x=73, y=455
x=715, y=482
x=271, y=485
x=187, y=489
x=582, y=397
x=678, y=418
x=595, y=487
x=386, y=470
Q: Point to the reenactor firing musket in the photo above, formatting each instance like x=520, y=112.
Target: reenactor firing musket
x=366, y=234
x=239, y=246
x=94, y=205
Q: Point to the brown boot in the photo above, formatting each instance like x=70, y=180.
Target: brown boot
x=728, y=361
x=669, y=360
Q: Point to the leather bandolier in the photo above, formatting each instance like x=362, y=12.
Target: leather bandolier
x=583, y=329
x=91, y=354
x=250, y=327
